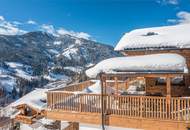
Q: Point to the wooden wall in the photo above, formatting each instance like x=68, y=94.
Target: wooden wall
x=119, y=121
x=160, y=90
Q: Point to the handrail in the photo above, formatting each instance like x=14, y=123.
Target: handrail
x=131, y=106
x=76, y=86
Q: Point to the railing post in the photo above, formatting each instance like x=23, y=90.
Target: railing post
x=168, y=97
x=141, y=107
x=108, y=104
x=178, y=109
x=80, y=109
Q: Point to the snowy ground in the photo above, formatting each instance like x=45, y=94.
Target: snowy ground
x=20, y=70
x=95, y=127
x=39, y=126
x=54, y=77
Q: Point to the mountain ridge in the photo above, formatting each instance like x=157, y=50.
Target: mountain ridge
x=36, y=58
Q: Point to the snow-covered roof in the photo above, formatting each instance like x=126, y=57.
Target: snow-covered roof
x=33, y=99
x=146, y=63
x=157, y=37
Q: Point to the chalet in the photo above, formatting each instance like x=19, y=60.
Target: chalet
x=167, y=39
x=148, y=89
x=30, y=106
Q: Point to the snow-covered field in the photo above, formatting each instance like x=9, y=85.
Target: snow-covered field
x=53, y=77
x=20, y=70
x=7, y=82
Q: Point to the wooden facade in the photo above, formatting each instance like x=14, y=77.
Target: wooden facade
x=169, y=112
x=166, y=104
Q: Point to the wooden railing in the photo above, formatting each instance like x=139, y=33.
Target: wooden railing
x=74, y=102
x=76, y=87
x=131, y=106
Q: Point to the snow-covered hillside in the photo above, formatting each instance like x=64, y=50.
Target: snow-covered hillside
x=35, y=59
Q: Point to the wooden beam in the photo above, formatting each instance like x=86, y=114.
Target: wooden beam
x=116, y=85
x=153, y=75
x=102, y=78
x=168, y=95
x=168, y=87
x=119, y=121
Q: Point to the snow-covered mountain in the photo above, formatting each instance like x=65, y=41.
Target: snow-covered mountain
x=37, y=58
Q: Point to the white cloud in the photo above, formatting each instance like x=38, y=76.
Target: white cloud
x=172, y=21
x=17, y=23
x=49, y=28
x=166, y=2
x=15, y=28
x=2, y=18
x=173, y=2
x=84, y=35
x=61, y=31
x=182, y=17
x=8, y=28
x=31, y=22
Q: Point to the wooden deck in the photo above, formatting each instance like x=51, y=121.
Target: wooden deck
x=86, y=108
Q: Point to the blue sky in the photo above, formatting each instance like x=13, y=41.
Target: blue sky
x=102, y=20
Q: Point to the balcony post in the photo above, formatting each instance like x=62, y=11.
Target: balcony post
x=168, y=89
x=168, y=94
x=102, y=79
x=81, y=103
x=116, y=85
x=141, y=107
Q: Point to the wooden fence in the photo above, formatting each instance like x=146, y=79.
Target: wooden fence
x=131, y=106
x=76, y=87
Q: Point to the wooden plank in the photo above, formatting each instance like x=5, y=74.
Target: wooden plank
x=119, y=121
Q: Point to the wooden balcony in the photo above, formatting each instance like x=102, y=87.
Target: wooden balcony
x=130, y=106
x=144, y=112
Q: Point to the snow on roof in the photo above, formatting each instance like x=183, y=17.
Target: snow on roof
x=157, y=37
x=33, y=99
x=147, y=63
